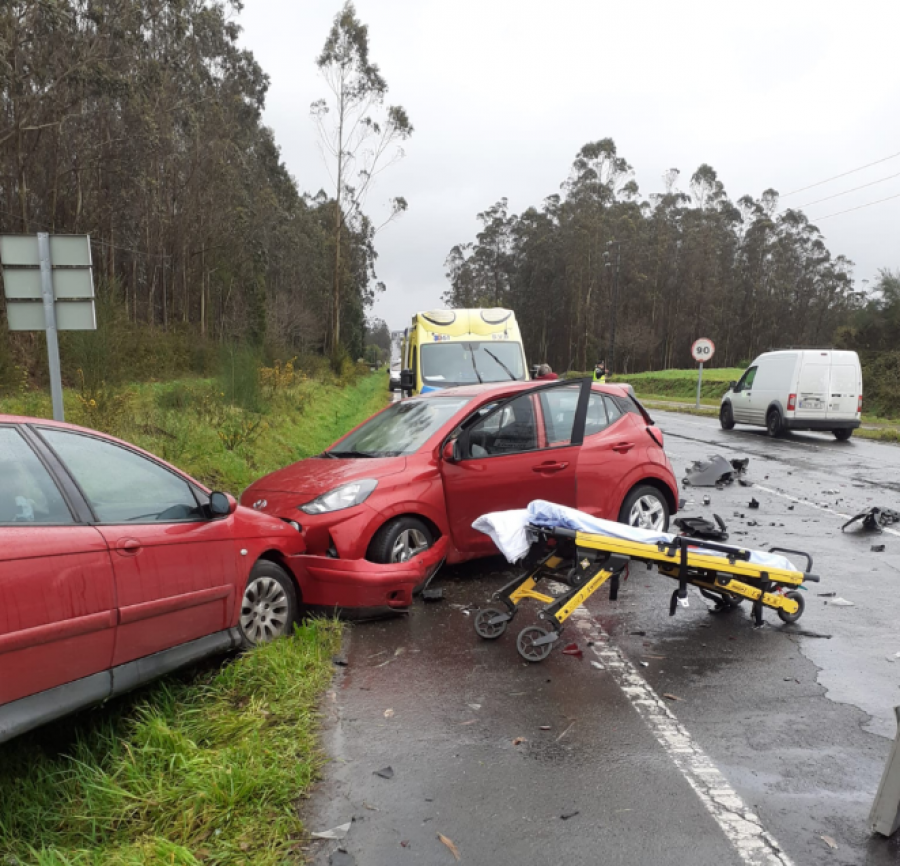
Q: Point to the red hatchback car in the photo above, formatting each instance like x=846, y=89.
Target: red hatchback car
x=116, y=568
x=387, y=504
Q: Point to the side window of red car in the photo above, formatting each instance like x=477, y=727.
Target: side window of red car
x=613, y=410
x=120, y=485
x=596, y=420
x=510, y=430
x=558, y=406
x=28, y=494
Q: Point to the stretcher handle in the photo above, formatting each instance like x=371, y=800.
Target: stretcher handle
x=561, y=532
x=806, y=556
x=736, y=552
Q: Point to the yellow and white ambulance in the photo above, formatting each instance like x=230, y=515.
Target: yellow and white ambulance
x=443, y=348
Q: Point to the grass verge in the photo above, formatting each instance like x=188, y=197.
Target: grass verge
x=205, y=769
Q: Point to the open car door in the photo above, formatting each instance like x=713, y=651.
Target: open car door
x=524, y=448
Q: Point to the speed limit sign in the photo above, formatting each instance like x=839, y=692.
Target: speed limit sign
x=702, y=350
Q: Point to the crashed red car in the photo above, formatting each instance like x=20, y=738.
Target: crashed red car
x=116, y=568
x=387, y=504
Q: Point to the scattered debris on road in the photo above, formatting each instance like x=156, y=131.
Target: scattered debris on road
x=341, y=858
x=340, y=662
x=339, y=832
x=829, y=842
x=573, y=650
x=475, y=707
x=566, y=815
x=672, y=697
x=874, y=519
x=389, y=713
x=545, y=727
x=754, y=503
x=598, y=666
x=449, y=843
x=432, y=595
x=519, y=740
x=385, y=773
x=826, y=594
x=877, y=548
x=715, y=471
x=700, y=527
x=840, y=602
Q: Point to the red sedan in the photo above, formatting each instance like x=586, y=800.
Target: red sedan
x=116, y=568
x=387, y=504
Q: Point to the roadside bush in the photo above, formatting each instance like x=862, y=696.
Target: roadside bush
x=103, y=407
x=238, y=379
x=881, y=384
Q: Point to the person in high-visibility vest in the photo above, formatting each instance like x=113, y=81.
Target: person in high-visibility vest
x=600, y=372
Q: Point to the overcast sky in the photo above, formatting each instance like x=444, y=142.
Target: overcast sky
x=503, y=93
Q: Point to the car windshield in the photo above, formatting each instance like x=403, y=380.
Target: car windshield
x=446, y=364
x=401, y=429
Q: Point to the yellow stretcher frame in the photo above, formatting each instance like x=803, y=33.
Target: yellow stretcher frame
x=585, y=561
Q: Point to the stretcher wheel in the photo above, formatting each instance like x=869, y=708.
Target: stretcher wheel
x=485, y=628
x=526, y=647
x=733, y=600
x=801, y=603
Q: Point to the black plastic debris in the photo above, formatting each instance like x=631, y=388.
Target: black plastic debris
x=385, y=773
x=752, y=523
x=875, y=519
x=433, y=595
x=700, y=527
x=341, y=858
x=753, y=504
x=566, y=815
x=877, y=548
x=341, y=663
x=744, y=482
x=706, y=500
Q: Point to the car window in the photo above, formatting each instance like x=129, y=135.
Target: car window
x=402, y=428
x=613, y=411
x=596, y=420
x=558, y=406
x=27, y=492
x=747, y=380
x=510, y=430
x=120, y=485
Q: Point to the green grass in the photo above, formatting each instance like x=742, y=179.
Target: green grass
x=204, y=768
x=191, y=424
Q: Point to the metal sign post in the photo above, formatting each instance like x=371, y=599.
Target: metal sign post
x=702, y=350
x=49, y=286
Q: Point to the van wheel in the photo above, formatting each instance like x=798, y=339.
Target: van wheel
x=842, y=435
x=399, y=540
x=726, y=417
x=774, y=427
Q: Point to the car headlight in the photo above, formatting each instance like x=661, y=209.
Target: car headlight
x=345, y=496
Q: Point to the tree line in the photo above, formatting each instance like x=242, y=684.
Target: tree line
x=139, y=122
x=661, y=270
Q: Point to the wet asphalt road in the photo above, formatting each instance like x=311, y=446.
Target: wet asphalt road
x=799, y=726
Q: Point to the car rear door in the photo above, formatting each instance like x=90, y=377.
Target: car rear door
x=57, y=596
x=525, y=448
x=175, y=569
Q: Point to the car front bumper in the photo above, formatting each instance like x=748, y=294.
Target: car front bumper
x=359, y=589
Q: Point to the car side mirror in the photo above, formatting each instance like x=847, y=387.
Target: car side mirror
x=221, y=504
x=450, y=451
x=408, y=380
x=732, y=386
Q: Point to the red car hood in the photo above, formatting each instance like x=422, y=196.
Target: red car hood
x=318, y=475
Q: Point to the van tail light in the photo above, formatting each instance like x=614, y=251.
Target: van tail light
x=859, y=404
x=792, y=402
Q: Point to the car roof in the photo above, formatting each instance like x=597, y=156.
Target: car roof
x=491, y=388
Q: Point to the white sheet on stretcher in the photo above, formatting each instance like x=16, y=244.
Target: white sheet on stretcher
x=508, y=529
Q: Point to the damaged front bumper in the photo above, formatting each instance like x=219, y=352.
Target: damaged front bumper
x=359, y=589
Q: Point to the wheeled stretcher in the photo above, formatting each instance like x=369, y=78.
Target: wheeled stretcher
x=584, y=553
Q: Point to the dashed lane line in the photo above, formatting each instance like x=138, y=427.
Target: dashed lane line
x=741, y=826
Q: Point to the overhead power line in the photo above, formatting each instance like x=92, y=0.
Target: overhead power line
x=846, y=191
x=858, y=207
x=844, y=174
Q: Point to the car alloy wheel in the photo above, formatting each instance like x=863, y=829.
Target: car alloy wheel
x=647, y=513
x=409, y=543
x=265, y=610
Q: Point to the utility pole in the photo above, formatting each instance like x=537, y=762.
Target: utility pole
x=611, y=347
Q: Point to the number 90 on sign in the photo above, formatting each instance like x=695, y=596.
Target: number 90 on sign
x=702, y=350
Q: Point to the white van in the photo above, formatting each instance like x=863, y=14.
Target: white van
x=809, y=389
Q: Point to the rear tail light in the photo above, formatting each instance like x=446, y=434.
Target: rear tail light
x=859, y=404
x=792, y=402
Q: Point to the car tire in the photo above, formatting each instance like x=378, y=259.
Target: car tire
x=726, y=417
x=842, y=435
x=269, y=605
x=647, y=501
x=774, y=424
x=399, y=540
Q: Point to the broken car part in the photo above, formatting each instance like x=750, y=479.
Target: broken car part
x=874, y=519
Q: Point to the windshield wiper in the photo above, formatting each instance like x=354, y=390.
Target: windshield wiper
x=475, y=368
x=508, y=372
x=351, y=454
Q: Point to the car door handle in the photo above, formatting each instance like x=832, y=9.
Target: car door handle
x=549, y=466
x=128, y=547
x=623, y=447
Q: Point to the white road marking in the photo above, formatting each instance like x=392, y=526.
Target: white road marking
x=743, y=828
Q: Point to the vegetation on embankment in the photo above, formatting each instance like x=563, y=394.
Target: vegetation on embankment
x=229, y=430
x=199, y=768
